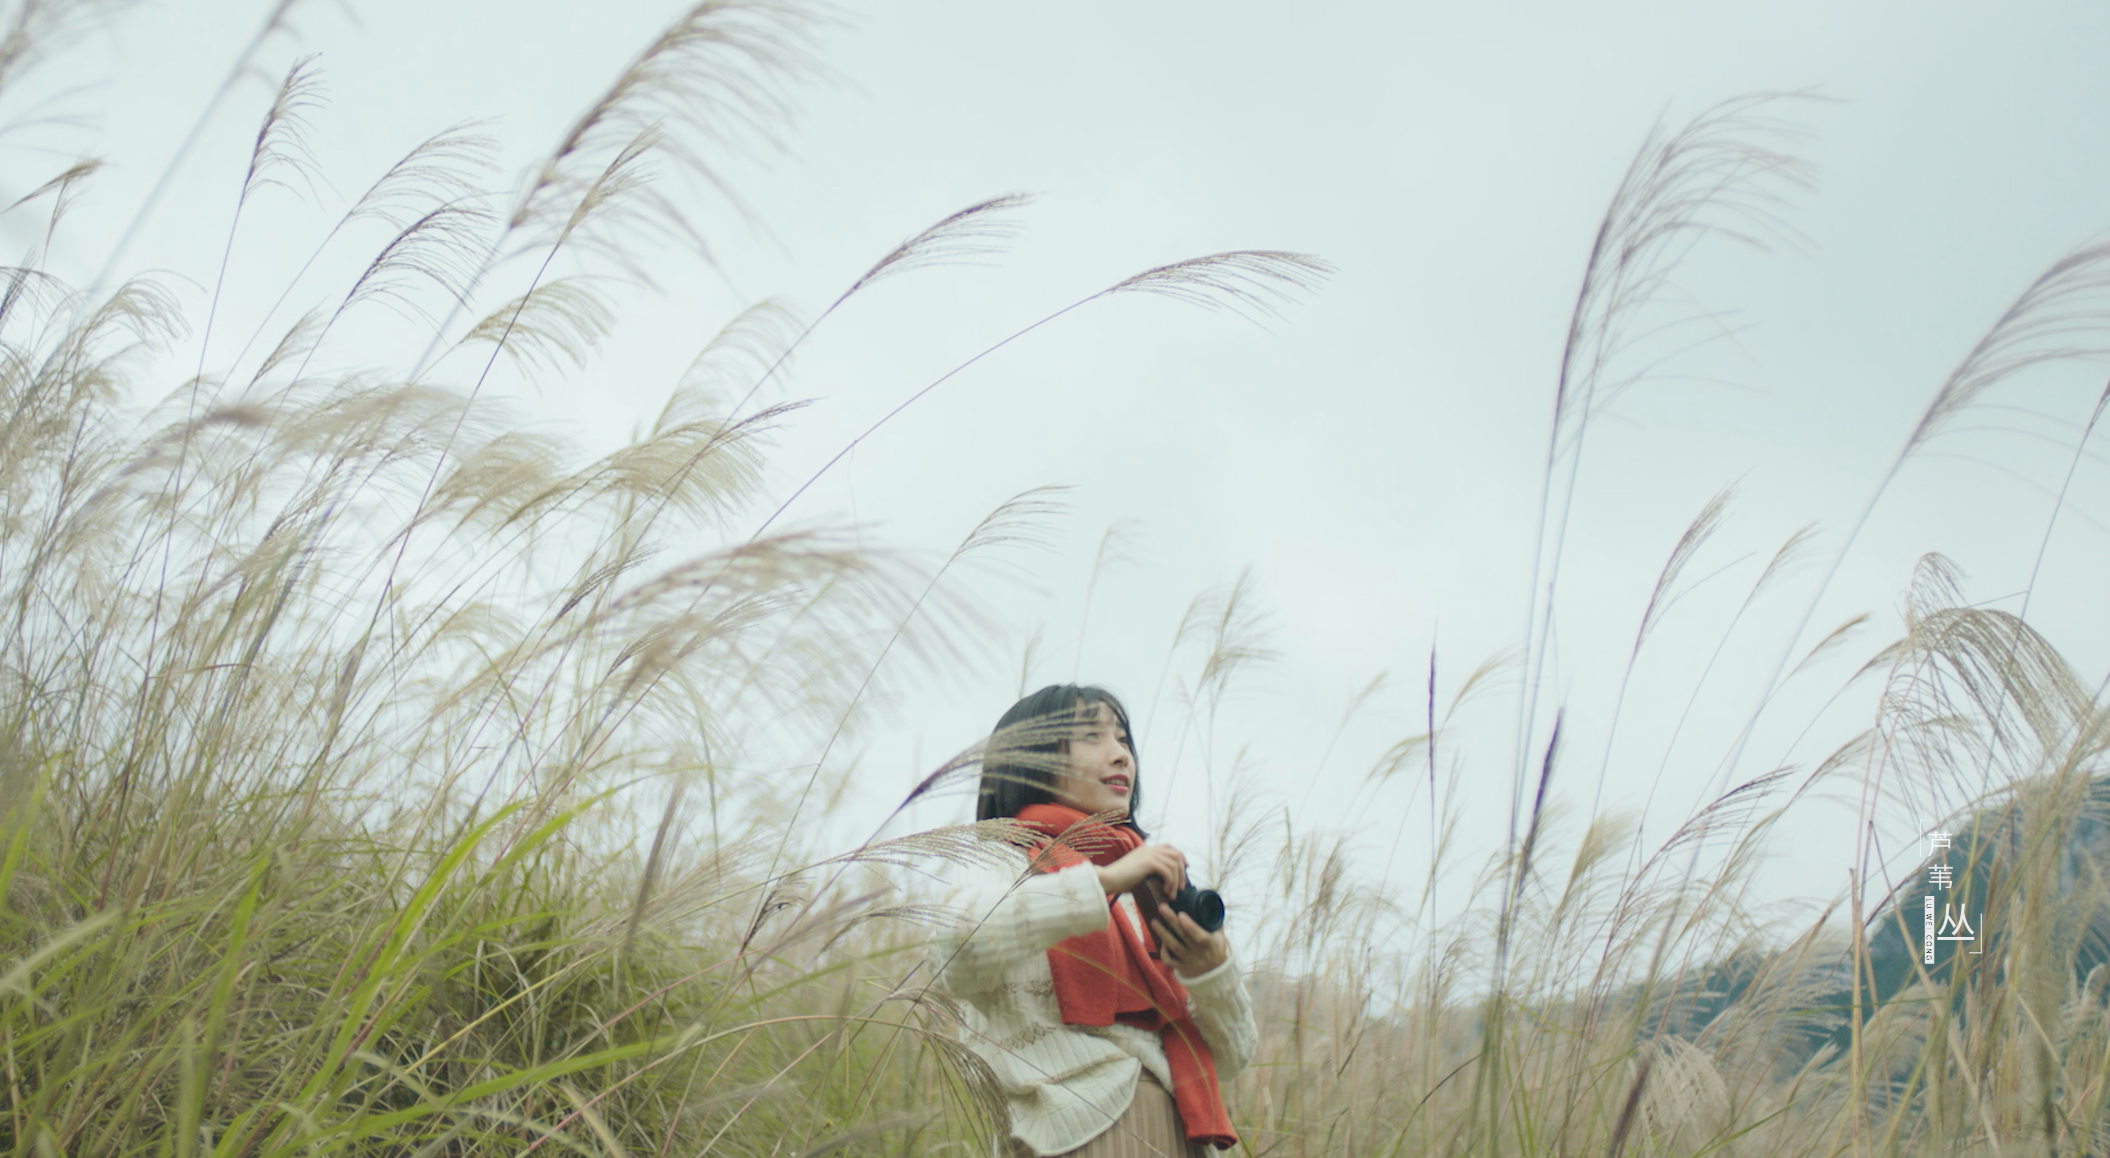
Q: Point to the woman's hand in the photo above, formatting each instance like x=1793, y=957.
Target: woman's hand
x=1151, y=860
x=1190, y=949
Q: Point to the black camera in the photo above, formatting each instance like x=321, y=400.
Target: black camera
x=1204, y=905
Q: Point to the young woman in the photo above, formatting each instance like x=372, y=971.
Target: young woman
x=1107, y=1038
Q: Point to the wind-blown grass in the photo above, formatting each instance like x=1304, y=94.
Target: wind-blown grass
x=1582, y=1006
x=332, y=707
x=335, y=713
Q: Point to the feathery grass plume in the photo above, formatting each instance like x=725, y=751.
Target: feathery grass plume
x=711, y=83
x=2061, y=316
x=280, y=157
x=434, y=250
x=63, y=189
x=1724, y=174
x=1016, y=521
x=1231, y=634
x=760, y=340
x=712, y=79
x=1784, y=561
x=957, y=238
x=440, y=171
x=559, y=321
x=275, y=21
x=1254, y=283
x=1241, y=281
x=691, y=462
x=1231, y=629
x=1665, y=593
x=281, y=138
x=765, y=329
x=36, y=28
x=1660, y=599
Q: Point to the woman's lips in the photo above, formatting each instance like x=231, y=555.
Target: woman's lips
x=1118, y=784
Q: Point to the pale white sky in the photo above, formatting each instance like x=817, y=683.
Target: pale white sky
x=1375, y=459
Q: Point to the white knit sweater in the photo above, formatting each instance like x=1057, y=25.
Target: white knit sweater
x=1065, y=1084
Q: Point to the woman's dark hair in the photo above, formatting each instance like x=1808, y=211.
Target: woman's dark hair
x=1027, y=746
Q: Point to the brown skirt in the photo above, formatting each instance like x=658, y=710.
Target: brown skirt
x=1150, y=1129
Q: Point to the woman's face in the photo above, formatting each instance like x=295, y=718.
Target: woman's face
x=1101, y=772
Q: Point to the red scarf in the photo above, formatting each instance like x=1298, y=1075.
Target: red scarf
x=1110, y=976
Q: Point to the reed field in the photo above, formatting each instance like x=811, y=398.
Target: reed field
x=366, y=764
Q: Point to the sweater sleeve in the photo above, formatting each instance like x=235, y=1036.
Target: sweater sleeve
x=1223, y=1011
x=1000, y=924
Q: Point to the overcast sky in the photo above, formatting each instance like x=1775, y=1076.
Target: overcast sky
x=1374, y=456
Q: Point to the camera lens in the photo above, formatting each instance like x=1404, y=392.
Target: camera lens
x=1204, y=905
x=1208, y=911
